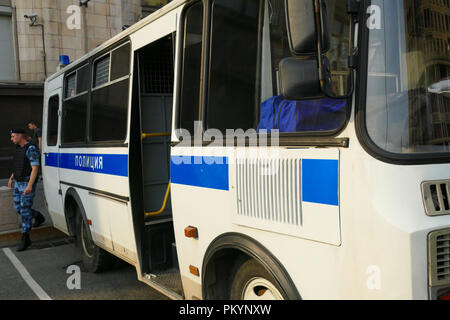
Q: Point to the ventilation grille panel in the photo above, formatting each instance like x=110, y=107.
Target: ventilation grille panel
x=436, y=197
x=269, y=190
x=439, y=257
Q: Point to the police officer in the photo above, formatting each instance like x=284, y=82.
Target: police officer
x=25, y=170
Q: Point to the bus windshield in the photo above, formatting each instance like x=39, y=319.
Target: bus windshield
x=408, y=89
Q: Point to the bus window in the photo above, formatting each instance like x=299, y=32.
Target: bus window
x=408, y=100
x=109, y=112
x=71, y=85
x=83, y=79
x=75, y=106
x=233, y=65
x=101, y=75
x=120, y=62
x=110, y=96
x=190, y=89
x=248, y=41
x=156, y=67
x=52, y=121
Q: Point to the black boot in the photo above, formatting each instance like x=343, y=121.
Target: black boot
x=38, y=220
x=26, y=242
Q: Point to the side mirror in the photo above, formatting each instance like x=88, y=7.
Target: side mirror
x=299, y=79
x=302, y=26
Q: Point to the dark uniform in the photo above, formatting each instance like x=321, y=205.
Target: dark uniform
x=24, y=158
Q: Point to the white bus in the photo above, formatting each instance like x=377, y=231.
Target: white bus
x=351, y=200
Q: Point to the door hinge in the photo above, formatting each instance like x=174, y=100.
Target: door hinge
x=59, y=191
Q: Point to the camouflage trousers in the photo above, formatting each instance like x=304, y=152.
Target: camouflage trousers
x=23, y=204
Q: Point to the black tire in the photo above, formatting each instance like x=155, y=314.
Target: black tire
x=247, y=275
x=94, y=258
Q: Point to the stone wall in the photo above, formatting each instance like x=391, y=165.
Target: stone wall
x=98, y=22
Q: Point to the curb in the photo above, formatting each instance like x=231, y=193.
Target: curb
x=13, y=237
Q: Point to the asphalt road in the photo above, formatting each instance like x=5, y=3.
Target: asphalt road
x=41, y=272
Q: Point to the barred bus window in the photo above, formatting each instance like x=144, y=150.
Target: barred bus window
x=52, y=121
x=109, y=97
x=120, y=62
x=71, y=85
x=101, y=67
x=156, y=67
x=190, y=88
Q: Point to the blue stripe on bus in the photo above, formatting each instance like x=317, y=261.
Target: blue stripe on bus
x=112, y=164
x=320, y=181
x=52, y=160
x=204, y=172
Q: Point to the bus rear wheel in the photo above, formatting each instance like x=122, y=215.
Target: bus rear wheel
x=252, y=282
x=94, y=258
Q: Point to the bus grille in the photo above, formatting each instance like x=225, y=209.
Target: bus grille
x=436, y=197
x=269, y=189
x=439, y=257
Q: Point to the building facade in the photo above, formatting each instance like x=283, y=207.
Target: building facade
x=30, y=48
x=35, y=33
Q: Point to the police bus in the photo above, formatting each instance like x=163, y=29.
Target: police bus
x=261, y=149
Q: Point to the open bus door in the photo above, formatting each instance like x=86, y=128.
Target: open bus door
x=50, y=157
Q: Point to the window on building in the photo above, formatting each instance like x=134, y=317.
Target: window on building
x=7, y=62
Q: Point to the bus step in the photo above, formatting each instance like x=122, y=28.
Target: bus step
x=167, y=282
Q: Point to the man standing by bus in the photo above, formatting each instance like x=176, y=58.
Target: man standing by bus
x=25, y=170
x=37, y=134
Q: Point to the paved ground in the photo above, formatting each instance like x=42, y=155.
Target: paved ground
x=47, y=264
x=41, y=271
x=38, y=204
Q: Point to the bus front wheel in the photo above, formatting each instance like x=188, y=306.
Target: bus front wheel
x=94, y=258
x=252, y=282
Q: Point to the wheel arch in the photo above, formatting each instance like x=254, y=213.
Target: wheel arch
x=72, y=201
x=221, y=257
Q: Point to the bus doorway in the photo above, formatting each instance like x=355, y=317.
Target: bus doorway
x=154, y=95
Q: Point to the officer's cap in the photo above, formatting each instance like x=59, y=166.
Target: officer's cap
x=22, y=131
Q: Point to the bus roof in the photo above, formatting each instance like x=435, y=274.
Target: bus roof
x=133, y=28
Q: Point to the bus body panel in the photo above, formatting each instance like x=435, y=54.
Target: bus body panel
x=105, y=194
x=364, y=238
x=161, y=27
x=383, y=247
